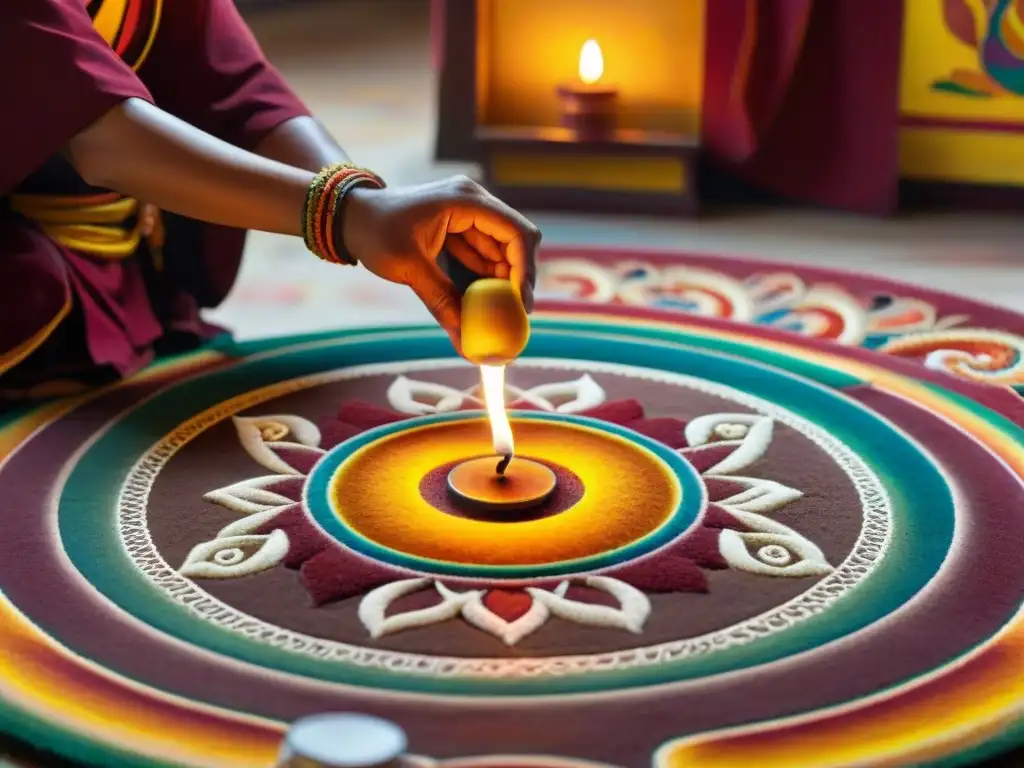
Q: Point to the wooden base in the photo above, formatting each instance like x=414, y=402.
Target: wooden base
x=628, y=172
x=591, y=112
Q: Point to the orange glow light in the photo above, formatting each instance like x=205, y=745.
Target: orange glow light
x=591, y=62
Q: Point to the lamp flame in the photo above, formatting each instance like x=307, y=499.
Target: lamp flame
x=591, y=62
x=493, y=380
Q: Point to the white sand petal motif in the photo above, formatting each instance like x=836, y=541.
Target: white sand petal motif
x=631, y=613
x=262, y=438
x=562, y=397
x=420, y=398
x=251, y=523
x=773, y=554
x=252, y=496
x=235, y=556
x=374, y=606
x=756, y=431
x=509, y=632
x=759, y=495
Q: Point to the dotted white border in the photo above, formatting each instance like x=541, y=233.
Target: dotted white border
x=869, y=549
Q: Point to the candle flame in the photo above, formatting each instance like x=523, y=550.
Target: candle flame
x=493, y=379
x=591, y=62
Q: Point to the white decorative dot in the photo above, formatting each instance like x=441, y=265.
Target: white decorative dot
x=231, y=556
x=732, y=431
x=774, y=554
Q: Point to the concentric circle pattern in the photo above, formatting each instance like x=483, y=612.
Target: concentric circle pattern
x=637, y=495
x=760, y=542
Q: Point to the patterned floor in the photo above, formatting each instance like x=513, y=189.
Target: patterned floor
x=364, y=66
x=764, y=547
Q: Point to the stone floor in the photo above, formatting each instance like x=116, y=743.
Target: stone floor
x=364, y=67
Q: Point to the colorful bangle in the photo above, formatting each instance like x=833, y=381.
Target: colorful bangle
x=336, y=225
x=321, y=237
x=312, y=198
x=323, y=207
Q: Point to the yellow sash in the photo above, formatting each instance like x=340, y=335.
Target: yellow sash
x=95, y=225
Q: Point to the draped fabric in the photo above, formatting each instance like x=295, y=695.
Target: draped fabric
x=801, y=97
x=751, y=52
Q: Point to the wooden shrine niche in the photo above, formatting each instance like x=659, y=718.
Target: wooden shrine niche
x=516, y=73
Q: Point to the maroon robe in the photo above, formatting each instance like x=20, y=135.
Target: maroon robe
x=91, y=318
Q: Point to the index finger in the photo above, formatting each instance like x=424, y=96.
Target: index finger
x=521, y=238
x=491, y=216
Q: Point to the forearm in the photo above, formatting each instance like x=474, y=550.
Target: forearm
x=302, y=143
x=139, y=150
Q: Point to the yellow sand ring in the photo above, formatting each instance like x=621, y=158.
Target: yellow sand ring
x=638, y=495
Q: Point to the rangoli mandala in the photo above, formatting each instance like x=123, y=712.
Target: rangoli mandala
x=764, y=548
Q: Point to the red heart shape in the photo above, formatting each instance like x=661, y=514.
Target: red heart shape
x=509, y=605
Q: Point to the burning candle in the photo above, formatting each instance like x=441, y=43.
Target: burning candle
x=500, y=482
x=492, y=379
x=588, y=106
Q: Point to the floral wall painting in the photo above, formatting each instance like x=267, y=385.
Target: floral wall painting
x=994, y=30
x=964, y=60
x=962, y=92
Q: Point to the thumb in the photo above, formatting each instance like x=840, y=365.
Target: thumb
x=440, y=296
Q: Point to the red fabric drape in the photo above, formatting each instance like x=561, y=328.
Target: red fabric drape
x=752, y=49
x=437, y=33
x=801, y=97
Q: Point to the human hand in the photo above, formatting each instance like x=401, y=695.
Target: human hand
x=399, y=233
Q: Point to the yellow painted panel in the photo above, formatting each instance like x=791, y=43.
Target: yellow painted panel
x=653, y=51
x=932, y=53
x=976, y=157
x=659, y=175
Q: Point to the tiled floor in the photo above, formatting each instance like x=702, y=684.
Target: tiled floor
x=364, y=67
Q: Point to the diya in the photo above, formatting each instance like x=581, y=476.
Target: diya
x=509, y=484
x=589, y=106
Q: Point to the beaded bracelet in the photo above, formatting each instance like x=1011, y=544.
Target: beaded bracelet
x=323, y=207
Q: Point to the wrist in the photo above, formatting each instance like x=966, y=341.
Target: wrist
x=355, y=220
x=334, y=229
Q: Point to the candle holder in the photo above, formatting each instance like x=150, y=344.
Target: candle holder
x=482, y=485
x=590, y=107
x=591, y=111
